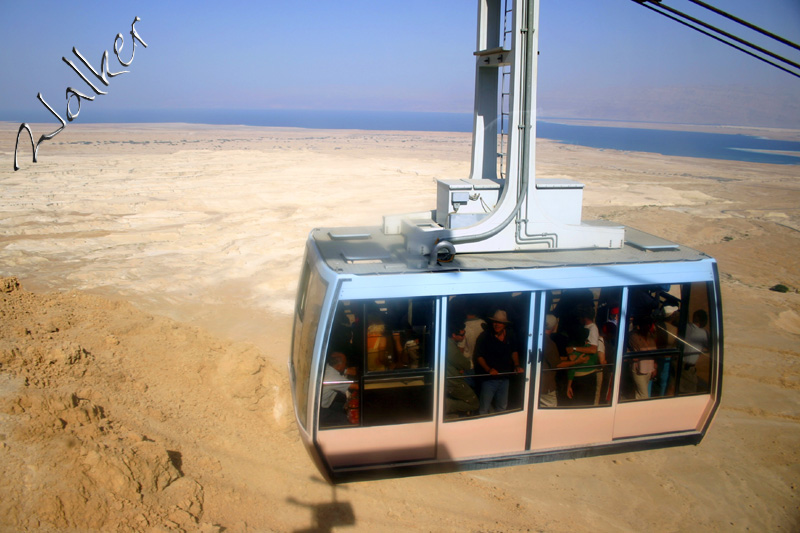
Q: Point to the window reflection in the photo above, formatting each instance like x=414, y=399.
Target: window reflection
x=667, y=342
x=387, y=373
x=307, y=316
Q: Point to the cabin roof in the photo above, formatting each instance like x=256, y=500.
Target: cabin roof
x=367, y=250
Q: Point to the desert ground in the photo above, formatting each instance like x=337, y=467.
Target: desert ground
x=148, y=277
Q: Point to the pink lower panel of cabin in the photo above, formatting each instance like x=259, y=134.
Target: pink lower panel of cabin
x=668, y=415
x=378, y=444
x=559, y=428
x=480, y=437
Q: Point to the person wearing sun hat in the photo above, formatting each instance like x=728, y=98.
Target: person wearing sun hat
x=497, y=358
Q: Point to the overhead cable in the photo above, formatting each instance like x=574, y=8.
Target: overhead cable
x=698, y=25
x=745, y=23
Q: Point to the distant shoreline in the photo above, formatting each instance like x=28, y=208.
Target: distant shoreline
x=385, y=121
x=778, y=134
x=737, y=143
x=783, y=134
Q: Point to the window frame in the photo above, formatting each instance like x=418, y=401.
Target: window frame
x=678, y=350
x=519, y=382
x=374, y=380
x=312, y=284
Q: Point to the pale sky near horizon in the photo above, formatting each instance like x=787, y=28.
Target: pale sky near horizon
x=373, y=55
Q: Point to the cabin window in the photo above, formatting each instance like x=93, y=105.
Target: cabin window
x=486, y=354
x=307, y=315
x=380, y=363
x=579, y=348
x=668, y=342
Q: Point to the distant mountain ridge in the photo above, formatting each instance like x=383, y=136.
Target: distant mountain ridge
x=741, y=106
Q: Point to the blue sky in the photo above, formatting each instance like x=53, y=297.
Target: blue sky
x=599, y=58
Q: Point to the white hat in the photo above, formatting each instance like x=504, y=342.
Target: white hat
x=500, y=316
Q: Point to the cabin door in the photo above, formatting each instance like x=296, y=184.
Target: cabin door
x=483, y=413
x=577, y=340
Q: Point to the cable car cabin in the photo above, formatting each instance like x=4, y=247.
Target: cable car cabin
x=500, y=328
x=395, y=370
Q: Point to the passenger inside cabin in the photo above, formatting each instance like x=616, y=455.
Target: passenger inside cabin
x=697, y=342
x=581, y=382
x=586, y=318
x=553, y=357
x=497, y=360
x=609, y=333
x=473, y=327
x=644, y=301
x=336, y=388
x=461, y=398
x=598, y=373
x=406, y=348
x=584, y=384
x=342, y=335
x=380, y=351
x=667, y=323
x=643, y=370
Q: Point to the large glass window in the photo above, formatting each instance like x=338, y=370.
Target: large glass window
x=486, y=354
x=380, y=363
x=579, y=348
x=310, y=296
x=668, y=342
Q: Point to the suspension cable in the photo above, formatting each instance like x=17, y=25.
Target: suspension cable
x=745, y=23
x=644, y=3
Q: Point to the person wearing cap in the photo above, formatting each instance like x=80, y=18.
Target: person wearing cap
x=497, y=357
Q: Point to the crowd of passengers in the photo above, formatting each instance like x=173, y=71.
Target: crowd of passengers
x=655, y=324
x=483, y=353
x=483, y=356
x=579, y=334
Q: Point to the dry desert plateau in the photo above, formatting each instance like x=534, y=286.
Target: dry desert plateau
x=148, y=278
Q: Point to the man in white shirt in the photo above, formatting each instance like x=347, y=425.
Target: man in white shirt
x=473, y=327
x=335, y=389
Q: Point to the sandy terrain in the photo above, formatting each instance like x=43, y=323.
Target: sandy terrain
x=148, y=279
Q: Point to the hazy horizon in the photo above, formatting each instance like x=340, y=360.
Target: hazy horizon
x=598, y=60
